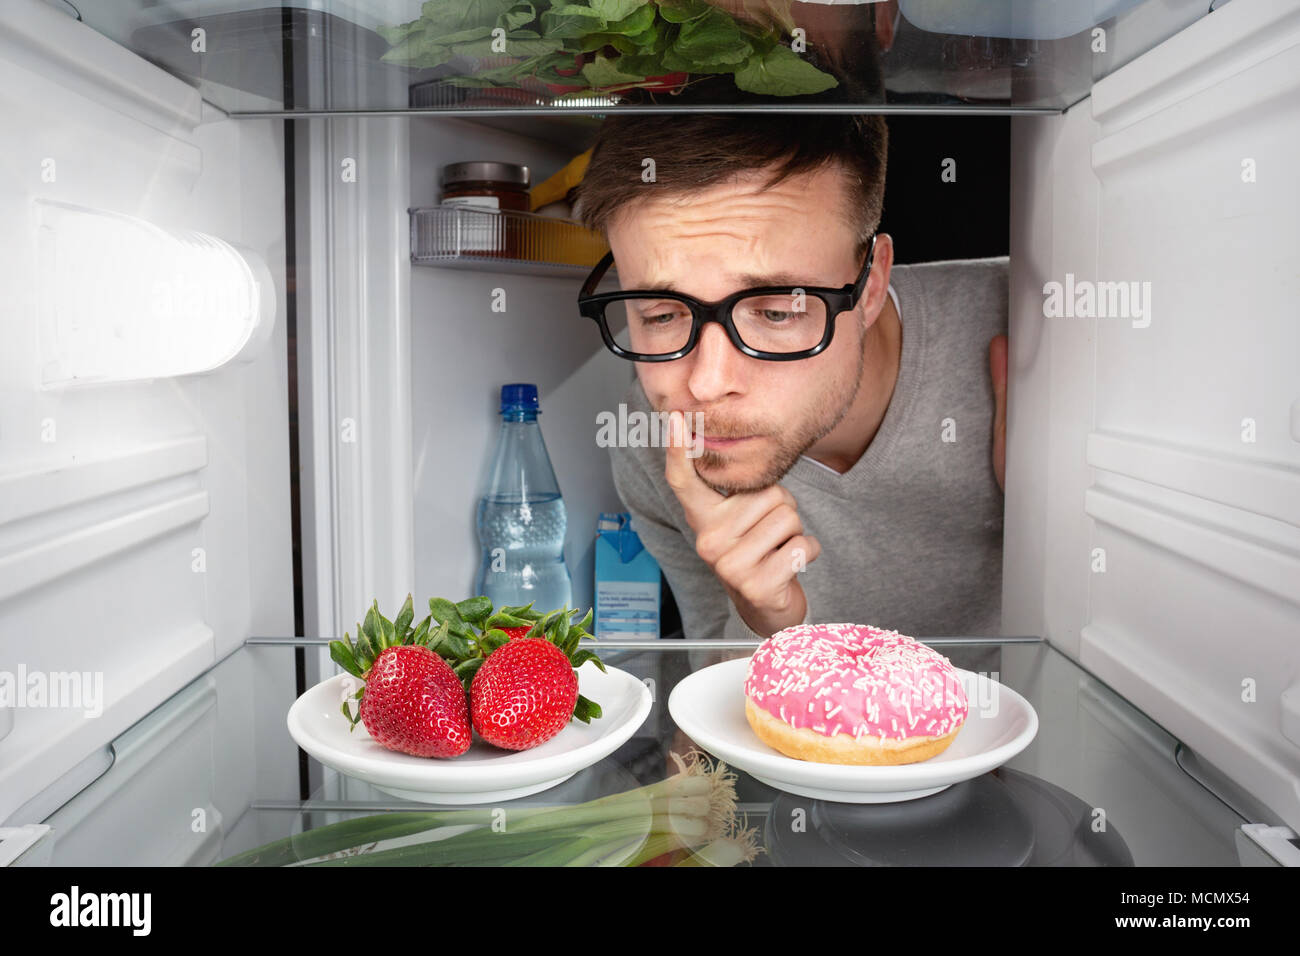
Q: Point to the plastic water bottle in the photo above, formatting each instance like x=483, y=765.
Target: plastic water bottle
x=521, y=517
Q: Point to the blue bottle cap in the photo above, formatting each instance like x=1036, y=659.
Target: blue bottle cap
x=519, y=396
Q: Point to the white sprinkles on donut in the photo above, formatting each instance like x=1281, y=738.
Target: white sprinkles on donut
x=892, y=680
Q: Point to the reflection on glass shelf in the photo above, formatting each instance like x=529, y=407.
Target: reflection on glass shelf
x=502, y=241
x=557, y=56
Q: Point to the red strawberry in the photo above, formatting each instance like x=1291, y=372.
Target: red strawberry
x=415, y=704
x=523, y=694
x=414, y=699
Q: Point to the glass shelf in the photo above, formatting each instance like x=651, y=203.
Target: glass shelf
x=502, y=241
x=311, y=57
x=1093, y=749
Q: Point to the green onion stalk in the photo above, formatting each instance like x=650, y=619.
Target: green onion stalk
x=695, y=809
x=734, y=847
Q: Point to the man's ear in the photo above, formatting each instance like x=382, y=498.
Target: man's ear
x=884, y=260
x=876, y=295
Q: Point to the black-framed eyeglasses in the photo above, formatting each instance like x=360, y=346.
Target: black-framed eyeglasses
x=776, y=323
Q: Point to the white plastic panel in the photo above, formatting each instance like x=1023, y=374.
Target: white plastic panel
x=181, y=779
x=355, y=367
x=154, y=807
x=144, y=526
x=1153, y=487
x=15, y=841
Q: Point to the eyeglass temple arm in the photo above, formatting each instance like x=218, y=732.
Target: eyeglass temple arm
x=867, y=266
x=597, y=274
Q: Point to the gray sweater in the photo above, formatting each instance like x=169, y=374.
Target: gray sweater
x=911, y=535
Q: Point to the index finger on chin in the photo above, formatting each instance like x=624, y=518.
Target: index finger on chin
x=679, y=469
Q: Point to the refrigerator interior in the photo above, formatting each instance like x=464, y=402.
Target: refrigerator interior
x=463, y=349
x=1153, y=475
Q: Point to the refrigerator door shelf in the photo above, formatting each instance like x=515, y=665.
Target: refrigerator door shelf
x=503, y=241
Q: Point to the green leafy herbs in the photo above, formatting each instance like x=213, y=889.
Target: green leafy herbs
x=463, y=634
x=780, y=72
x=602, y=45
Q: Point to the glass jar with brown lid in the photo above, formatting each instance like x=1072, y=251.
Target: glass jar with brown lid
x=484, y=187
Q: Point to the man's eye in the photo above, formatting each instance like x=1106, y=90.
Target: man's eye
x=773, y=310
x=660, y=314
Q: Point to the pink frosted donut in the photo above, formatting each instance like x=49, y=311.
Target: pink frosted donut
x=853, y=693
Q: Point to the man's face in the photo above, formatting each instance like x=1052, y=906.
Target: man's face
x=755, y=417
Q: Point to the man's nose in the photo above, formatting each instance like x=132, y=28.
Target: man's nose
x=715, y=371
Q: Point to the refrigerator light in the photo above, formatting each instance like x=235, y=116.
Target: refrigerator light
x=121, y=299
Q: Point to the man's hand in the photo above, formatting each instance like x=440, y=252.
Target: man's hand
x=998, y=370
x=753, y=541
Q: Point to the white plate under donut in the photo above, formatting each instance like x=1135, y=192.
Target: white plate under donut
x=709, y=707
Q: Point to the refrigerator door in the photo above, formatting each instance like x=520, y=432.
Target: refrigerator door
x=1153, y=470
x=144, y=507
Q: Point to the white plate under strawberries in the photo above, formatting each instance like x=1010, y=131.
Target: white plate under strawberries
x=483, y=774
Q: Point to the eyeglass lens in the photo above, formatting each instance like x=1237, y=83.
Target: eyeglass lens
x=778, y=323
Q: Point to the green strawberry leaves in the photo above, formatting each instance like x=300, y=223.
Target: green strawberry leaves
x=402, y=623
x=473, y=631
x=475, y=610
x=458, y=647
x=466, y=670
x=466, y=634
x=444, y=611
x=586, y=710
x=524, y=611
x=492, y=640
x=353, y=721
x=345, y=655
x=581, y=657
x=376, y=635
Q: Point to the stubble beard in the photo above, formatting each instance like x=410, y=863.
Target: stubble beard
x=790, y=445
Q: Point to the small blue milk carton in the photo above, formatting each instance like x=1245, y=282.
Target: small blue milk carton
x=627, y=581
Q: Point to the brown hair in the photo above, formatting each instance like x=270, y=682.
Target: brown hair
x=696, y=150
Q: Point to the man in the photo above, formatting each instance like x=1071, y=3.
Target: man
x=856, y=479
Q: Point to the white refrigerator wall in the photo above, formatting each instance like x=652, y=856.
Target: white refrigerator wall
x=463, y=351
x=400, y=370
x=1153, y=470
x=144, y=525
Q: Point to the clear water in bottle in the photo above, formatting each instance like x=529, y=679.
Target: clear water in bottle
x=532, y=566
x=521, y=516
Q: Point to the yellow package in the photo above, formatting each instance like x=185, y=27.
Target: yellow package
x=557, y=186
